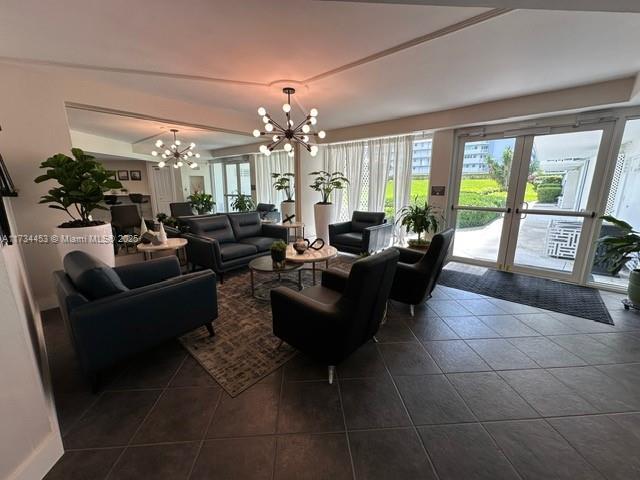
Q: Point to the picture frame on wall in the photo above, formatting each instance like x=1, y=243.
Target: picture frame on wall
x=123, y=175
x=136, y=175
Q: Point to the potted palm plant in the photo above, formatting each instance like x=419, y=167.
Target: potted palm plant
x=419, y=219
x=202, y=202
x=620, y=250
x=282, y=183
x=82, y=182
x=326, y=183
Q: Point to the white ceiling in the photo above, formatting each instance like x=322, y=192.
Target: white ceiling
x=243, y=47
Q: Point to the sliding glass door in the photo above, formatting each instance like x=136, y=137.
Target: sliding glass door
x=526, y=202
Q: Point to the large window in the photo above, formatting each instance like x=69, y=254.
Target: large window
x=623, y=203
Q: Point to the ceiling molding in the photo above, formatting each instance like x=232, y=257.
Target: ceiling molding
x=139, y=116
x=624, y=6
x=483, y=17
x=475, y=20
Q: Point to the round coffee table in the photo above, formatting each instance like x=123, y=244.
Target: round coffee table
x=265, y=265
x=312, y=256
x=172, y=244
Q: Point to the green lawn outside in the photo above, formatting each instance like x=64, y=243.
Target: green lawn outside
x=480, y=192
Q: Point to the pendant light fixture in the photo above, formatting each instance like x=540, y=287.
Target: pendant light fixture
x=289, y=133
x=176, y=154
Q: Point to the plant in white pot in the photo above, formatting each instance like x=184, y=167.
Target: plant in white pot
x=282, y=183
x=326, y=183
x=622, y=249
x=82, y=182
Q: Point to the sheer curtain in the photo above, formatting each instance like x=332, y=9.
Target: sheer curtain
x=402, y=169
x=347, y=158
x=277, y=162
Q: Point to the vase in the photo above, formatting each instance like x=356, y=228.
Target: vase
x=96, y=241
x=288, y=208
x=323, y=216
x=633, y=290
x=278, y=257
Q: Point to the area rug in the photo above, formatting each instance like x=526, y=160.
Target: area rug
x=537, y=292
x=244, y=349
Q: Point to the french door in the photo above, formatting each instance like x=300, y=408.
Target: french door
x=526, y=202
x=230, y=178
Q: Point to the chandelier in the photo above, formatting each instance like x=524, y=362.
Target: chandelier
x=176, y=154
x=289, y=133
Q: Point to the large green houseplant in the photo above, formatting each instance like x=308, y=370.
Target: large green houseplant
x=326, y=183
x=620, y=250
x=202, y=202
x=419, y=218
x=282, y=183
x=243, y=203
x=81, y=184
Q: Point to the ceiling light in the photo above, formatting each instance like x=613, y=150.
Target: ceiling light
x=299, y=134
x=176, y=155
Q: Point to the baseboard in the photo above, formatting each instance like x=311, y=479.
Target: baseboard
x=47, y=303
x=41, y=460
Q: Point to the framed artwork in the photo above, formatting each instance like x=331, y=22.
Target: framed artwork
x=196, y=183
x=136, y=175
x=123, y=175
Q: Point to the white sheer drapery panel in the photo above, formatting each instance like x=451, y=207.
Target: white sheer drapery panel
x=402, y=169
x=380, y=156
x=347, y=158
x=277, y=162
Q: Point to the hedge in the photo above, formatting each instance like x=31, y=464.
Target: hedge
x=468, y=219
x=549, y=193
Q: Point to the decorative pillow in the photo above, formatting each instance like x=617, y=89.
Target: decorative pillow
x=93, y=278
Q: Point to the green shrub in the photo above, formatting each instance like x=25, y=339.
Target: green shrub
x=549, y=193
x=468, y=219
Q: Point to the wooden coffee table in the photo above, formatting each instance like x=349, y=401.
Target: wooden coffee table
x=173, y=244
x=312, y=256
x=265, y=265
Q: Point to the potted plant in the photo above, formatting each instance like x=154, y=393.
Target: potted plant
x=326, y=183
x=282, y=183
x=202, y=202
x=82, y=182
x=278, y=253
x=419, y=219
x=243, y=203
x=620, y=250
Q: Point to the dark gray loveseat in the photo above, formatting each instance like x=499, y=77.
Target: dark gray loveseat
x=225, y=242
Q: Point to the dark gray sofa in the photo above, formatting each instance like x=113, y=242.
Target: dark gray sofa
x=113, y=313
x=226, y=242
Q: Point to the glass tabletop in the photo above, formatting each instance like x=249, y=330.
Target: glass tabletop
x=265, y=264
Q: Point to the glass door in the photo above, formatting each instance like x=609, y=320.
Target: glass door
x=484, y=198
x=525, y=202
x=230, y=178
x=554, y=203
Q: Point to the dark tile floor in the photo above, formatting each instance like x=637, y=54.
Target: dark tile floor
x=469, y=388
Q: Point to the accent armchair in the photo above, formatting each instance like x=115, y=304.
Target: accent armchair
x=367, y=232
x=181, y=209
x=113, y=313
x=332, y=320
x=418, y=272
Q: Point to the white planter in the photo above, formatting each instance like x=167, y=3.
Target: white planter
x=323, y=215
x=97, y=241
x=288, y=209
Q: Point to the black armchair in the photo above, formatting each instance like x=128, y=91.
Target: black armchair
x=366, y=232
x=331, y=320
x=181, y=209
x=112, y=313
x=268, y=211
x=418, y=272
x=227, y=242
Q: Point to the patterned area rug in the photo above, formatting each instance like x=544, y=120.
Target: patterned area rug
x=244, y=349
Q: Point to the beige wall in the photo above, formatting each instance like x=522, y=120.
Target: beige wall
x=133, y=186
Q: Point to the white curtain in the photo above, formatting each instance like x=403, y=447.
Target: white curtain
x=402, y=176
x=277, y=162
x=347, y=158
x=380, y=156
